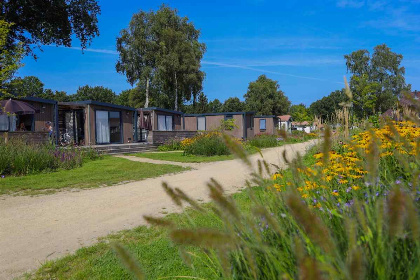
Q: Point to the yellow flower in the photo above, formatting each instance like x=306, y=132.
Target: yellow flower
x=277, y=176
x=355, y=188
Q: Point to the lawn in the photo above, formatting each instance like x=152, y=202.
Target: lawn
x=180, y=157
x=157, y=255
x=105, y=172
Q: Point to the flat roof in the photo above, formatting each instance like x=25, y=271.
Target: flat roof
x=160, y=109
x=97, y=103
x=219, y=114
x=268, y=116
x=40, y=100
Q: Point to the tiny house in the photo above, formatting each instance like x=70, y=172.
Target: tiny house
x=95, y=123
x=285, y=123
x=244, y=123
x=265, y=125
x=32, y=126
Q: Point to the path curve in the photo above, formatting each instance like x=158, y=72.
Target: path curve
x=36, y=229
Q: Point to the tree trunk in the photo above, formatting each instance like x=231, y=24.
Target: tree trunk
x=146, y=103
x=176, y=94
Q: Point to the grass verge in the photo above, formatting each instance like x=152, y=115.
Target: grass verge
x=181, y=157
x=159, y=258
x=105, y=172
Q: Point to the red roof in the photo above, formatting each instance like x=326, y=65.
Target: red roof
x=285, y=118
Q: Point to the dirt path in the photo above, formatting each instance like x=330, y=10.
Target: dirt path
x=36, y=229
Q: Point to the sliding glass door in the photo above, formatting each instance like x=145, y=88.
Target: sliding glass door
x=102, y=127
x=115, y=127
x=108, y=127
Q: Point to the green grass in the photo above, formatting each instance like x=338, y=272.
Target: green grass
x=180, y=157
x=158, y=257
x=150, y=245
x=105, y=172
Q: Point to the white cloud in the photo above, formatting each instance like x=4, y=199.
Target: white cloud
x=226, y=65
x=105, y=51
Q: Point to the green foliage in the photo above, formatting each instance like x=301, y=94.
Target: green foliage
x=18, y=158
x=161, y=50
x=97, y=93
x=215, y=106
x=27, y=86
x=264, y=141
x=265, y=97
x=233, y=104
x=326, y=106
x=377, y=80
x=213, y=145
x=300, y=113
x=57, y=95
x=10, y=59
x=228, y=125
x=50, y=22
x=173, y=144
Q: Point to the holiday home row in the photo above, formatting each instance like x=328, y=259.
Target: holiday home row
x=98, y=123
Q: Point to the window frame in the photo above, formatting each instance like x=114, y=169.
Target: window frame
x=205, y=123
x=166, y=122
x=265, y=124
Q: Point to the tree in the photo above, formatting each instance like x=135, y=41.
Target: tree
x=137, y=47
x=10, y=60
x=179, y=56
x=161, y=49
x=98, y=93
x=27, y=86
x=202, y=106
x=326, y=106
x=377, y=80
x=50, y=22
x=123, y=98
x=265, y=97
x=215, y=106
x=233, y=104
x=300, y=113
x=60, y=96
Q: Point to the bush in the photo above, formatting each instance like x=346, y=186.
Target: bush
x=209, y=144
x=173, y=144
x=18, y=158
x=264, y=141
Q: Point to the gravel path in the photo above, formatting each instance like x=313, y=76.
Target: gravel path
x=36, y=229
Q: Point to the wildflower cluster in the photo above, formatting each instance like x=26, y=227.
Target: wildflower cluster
x=340, y=174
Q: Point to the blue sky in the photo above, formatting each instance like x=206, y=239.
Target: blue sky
x=298, y=43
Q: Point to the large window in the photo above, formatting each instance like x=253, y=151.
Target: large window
x=16, y=123
x=165, y=123
x=108, y=127
x=262, y=124
x=4, y=122
x=201, y=123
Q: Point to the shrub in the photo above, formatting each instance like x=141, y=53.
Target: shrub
x=208, y=144
x=264, y=141
x=173, y=144
x=18, y=158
